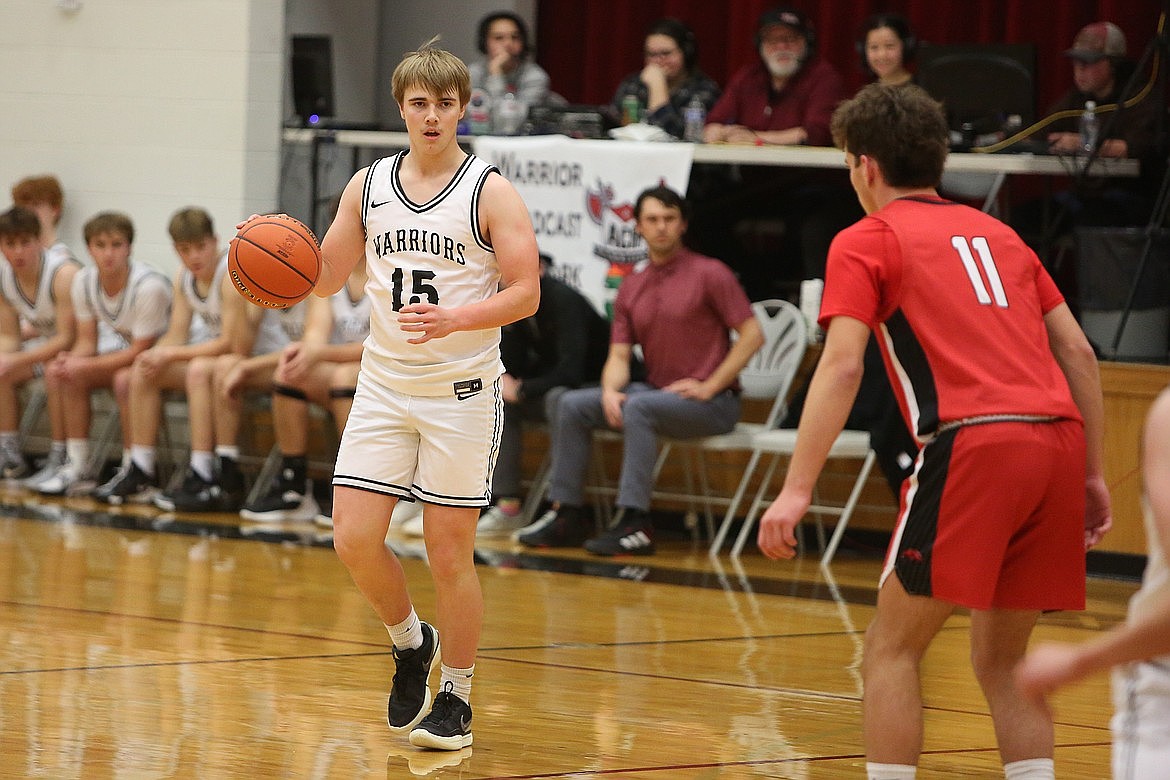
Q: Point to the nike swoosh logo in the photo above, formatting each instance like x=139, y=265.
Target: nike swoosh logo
x=464, y=724
x=374, y=205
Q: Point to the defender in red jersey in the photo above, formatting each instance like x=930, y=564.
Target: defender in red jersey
x=1001, y=388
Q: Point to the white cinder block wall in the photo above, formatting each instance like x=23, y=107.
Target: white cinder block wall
x=144, y=106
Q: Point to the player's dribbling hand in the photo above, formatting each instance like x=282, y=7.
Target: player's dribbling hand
x=777, y=536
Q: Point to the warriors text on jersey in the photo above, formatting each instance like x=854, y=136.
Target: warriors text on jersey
x=433, y=252
x=958, y=303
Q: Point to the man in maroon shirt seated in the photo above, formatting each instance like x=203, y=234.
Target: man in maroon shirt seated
x=681, y=309
x=785, y=97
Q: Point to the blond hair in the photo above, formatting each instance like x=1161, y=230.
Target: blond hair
x=435, y=70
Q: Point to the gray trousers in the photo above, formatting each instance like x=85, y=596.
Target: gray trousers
x=647, y=414
x=506, y=479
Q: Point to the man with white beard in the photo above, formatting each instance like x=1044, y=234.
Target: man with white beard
x=785, y=98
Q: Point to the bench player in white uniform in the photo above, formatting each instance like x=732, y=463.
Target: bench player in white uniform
x=195, y=328
x=121, y=308
x=1140, y=648
x=323, y=369
x=216, y=386
x=34, y=291
x=451, y=258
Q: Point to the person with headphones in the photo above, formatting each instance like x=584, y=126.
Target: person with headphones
x=787, y=96
x=887, y=48
x=670, y=78
x=507, y=65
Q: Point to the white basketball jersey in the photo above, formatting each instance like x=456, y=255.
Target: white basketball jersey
x=206, y=310
x=142, y=309
x=40, y=310
x=278, y=328
x=428, y=252
x=351, y=318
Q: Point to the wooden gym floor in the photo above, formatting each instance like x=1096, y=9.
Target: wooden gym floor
x=143, y=645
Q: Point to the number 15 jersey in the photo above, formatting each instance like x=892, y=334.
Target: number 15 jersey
x=957, y=301
x=433, y=252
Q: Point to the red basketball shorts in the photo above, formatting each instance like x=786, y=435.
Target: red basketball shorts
x=993, y=516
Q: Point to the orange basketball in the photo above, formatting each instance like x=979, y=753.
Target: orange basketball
x=274, y=261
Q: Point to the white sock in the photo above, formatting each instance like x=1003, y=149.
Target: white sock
x=57, y=448
x=77, y=452
x=460, y=680
x=144, y=458
x=890, y=771
x=229, y=451
x=1030, y=769
x=407, y=635
x=203, y=464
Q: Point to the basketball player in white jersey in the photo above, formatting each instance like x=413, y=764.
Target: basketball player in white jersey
x=321, y=368
x=200, y=326
x=214, y=481
x=451, y=258
x=1140, y=648
x=34, y=290
x=122, y=308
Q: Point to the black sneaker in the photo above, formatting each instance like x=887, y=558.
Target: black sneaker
x=233, y=488
x=285, y=502
x=409, y=693
x=195, y=494
x=632, y=536
x=564, y=527
x=130, y=485
x=447, y=727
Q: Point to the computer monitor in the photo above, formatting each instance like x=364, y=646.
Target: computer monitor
x=312, y=78
x=980, y=85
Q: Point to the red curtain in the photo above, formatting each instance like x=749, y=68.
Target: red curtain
x=588, y=47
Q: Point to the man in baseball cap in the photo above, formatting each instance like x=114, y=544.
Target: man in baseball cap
x=1097, y=41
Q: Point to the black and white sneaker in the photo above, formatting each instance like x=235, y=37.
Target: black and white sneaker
x=285, y=502
x=131, y=485
x=194, y=494
x=409, y=693
x=53, y=463
x=564, y=527
x=447, y=727
x=633, y=536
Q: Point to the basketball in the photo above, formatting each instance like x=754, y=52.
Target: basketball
x=274, y=261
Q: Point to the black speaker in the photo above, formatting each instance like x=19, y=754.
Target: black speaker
x=312, y=77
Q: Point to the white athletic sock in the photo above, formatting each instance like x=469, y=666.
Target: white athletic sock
x=77, y=452
x=1030, y=769
x=460, y=680
x=229, y=451
x=890, y=771
x=407, y=635
x=203, y=464
x=57, y=447
x=144, y=458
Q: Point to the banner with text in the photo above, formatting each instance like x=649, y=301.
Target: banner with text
x=581, y=196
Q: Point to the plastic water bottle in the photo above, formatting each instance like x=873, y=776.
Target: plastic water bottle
x=1089, y=127
x=694, y=118
x=508, y=115
x=479, y=112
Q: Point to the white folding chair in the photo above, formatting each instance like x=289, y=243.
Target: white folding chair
x=767, y=376
x=781, y=443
